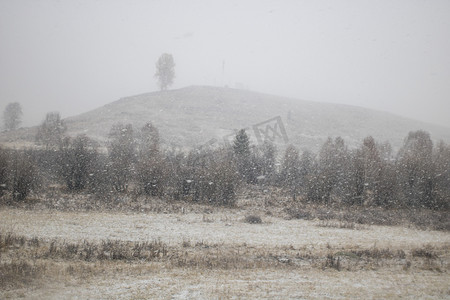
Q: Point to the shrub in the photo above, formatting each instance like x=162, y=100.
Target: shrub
x=253, y=219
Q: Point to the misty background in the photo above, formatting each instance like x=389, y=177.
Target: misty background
x=74, y=56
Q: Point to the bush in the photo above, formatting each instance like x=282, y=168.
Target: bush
x=253, y=219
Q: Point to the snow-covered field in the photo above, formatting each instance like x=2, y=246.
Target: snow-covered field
x=227, y=228
x=253, y=284
x=156, y=279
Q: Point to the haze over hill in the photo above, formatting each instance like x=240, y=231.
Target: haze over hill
x=74, y=56
x=192, y=116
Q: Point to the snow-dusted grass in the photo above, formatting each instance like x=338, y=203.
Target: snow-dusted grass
x=163, y=283
x=282, y=284
x=217, y=254
x=226, y=228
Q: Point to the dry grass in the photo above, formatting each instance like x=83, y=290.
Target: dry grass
x=341, y=224
x=426, y=252
x=19, y=273
x=26, y=261
x=179, y=250
x=23, y=260
x=36, y=248
x=198, y=255
x=269, y=201
x=419, y=218
x=58, y=199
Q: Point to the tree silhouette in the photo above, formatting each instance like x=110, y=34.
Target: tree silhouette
x=165, y=71
x=51, y=131
x=12, y=115
x=121, y=152
x=241, y=149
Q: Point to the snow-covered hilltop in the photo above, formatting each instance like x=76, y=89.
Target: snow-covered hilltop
x=198, y=115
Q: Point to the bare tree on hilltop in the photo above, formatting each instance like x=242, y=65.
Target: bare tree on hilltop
x=165, y=71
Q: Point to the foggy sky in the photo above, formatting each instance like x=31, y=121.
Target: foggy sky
x=74, y=56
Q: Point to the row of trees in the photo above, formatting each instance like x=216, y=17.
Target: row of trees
x=134, y=163
x=418, y=176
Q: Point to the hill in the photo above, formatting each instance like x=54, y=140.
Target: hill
x=199, y=115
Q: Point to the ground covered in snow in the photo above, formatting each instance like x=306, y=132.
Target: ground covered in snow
x=214, y=253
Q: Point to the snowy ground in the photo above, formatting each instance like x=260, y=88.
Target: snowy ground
x=227, y=228
x=252, y=284
x=157, y=280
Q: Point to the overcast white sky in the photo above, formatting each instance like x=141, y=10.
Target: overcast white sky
x=72, y=56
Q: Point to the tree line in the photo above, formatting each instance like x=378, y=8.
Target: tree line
x=370, y=175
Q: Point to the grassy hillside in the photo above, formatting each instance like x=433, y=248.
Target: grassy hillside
x=192, y=116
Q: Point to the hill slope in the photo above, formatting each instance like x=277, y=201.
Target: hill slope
x=193, y=116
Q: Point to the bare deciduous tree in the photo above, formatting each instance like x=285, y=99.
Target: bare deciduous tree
x=415, y=169
x=441, y=178
x=150, y=169
x=290, y=172
x=51, y=131
x=121, y=151
x=23, y=175
x=4, y=164
x=165, y=71
x=76, y=157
